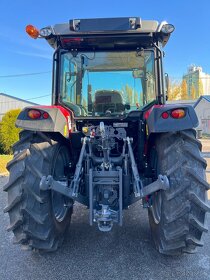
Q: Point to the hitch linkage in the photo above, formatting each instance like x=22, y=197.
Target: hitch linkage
x=62, y=186
x=48, y=183
x=72, y=191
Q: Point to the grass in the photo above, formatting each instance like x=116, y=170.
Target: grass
x=3, y=162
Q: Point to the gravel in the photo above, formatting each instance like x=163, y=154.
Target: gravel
x=124, y=253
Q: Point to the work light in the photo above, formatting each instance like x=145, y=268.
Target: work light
x=167, y=28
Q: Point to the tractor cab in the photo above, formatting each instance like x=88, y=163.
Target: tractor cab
x=97, y=60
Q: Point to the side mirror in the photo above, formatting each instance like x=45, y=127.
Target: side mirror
x=137, y=73
x=67, y=77
x=167, y=82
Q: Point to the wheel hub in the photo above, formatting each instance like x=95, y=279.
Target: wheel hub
x=60, y=203
x=156, y=206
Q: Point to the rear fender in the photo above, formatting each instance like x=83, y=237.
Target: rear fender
x=59, y=120
x=157, y=124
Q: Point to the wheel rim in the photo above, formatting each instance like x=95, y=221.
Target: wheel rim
x=59, y=201
x=156, y=207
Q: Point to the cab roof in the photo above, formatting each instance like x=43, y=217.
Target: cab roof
x=106, y=32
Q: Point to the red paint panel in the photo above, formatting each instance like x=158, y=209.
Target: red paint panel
x=147, y=113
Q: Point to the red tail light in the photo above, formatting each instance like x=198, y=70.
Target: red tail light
x=165, y=115
x=34, y=114
x=45, y=115
x=178, y=113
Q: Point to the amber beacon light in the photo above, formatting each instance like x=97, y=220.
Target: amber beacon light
x=32, y=31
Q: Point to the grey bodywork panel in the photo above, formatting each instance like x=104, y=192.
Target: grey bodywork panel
x=147, y=26
x=84, y=28
x=55, y=123
x=157, y=124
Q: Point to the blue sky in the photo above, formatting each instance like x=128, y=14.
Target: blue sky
x=19, y=54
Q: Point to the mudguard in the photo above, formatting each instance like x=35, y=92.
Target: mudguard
x=59, y=120
x=156, y=123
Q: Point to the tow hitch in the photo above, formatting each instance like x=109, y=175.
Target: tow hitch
x=106, y=179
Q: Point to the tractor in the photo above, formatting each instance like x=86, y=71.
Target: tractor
x=108, y=140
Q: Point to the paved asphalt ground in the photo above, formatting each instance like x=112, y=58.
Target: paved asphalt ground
x=124, y=253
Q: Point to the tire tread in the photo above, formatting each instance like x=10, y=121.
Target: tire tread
x=184, y=205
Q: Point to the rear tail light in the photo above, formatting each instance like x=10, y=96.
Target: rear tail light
x=175, y=114
x=165, y=115
x=178, y=113
x=34, y=114
x=45, y=115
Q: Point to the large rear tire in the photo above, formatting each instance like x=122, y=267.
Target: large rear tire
x=178, y=216
x=38, y=218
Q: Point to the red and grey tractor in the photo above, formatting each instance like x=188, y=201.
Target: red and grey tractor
x=108, y=140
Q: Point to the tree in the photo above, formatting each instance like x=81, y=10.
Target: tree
x=84, y=103
x=184, y=95
x=1, y=149
x=128, y=93
x=174, y=90
x=136, y=98
x=200, y=88
x=8, y=132
x=193, y=92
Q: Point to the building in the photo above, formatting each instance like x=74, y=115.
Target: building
x=8, y=102
x=181, y=102
x=202, y=109
x=197, y=82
